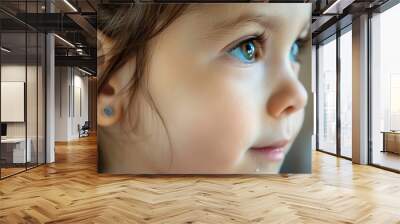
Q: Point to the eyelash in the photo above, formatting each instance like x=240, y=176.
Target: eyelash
x=301, y=43
x=257, y=38
x=260, y=39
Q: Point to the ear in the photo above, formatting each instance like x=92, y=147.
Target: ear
x=113, y=95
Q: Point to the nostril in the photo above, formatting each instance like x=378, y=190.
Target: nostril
x=286, y=112
x=290, y=109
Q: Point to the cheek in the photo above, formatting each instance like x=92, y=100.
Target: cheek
x=211, y=116
x=214, y=131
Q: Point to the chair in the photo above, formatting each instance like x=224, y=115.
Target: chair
x=84, y=130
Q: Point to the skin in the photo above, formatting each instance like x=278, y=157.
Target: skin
x=215, y=107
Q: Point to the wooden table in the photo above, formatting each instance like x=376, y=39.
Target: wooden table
x=391, y=141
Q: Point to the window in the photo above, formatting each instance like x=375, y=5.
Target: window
x=327, y=97
x=385, y=89
x=346, y=94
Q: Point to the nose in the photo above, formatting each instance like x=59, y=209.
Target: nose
x=288, y=97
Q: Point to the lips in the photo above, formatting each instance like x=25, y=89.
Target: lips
x=274, y=152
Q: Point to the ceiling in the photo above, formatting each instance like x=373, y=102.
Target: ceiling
x=72, y=20
x=330, y=15
x=75, y=21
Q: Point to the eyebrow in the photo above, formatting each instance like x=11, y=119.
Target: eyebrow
x=244, y=18
x=262, y=19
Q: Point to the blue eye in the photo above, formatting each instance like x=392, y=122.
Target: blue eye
x=294, y=51
x=245, y=51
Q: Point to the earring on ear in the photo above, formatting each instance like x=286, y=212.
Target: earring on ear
x=108, y=111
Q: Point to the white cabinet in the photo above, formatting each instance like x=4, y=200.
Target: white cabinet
x=19, y=155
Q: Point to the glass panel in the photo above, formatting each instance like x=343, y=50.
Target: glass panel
x=13, y=87
x=346, y=94
x=32, y=88
x=327, y=97
x=23, y=87
x=31, y=100
x=41, y=99
x=386, y=89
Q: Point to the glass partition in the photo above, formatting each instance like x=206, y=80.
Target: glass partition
x=385, y=89
x=327, y=96
x=31, y=100
x=41, y=86
x=346, y=93
x=22, y=90
x=13, y=105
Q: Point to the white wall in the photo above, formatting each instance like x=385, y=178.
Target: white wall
x=12, y=73
x=70, y=83
x=80, y=102
x=61, y=103
x=33, y=127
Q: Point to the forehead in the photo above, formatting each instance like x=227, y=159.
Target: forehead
x=226, y=15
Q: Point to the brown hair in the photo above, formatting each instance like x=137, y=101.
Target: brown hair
x=130, y=27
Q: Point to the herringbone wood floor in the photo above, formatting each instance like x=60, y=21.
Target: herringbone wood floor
x=71, y=191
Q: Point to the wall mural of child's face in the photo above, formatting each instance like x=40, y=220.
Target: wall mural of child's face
x=224, y=78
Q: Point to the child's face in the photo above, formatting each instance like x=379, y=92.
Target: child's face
x=222, y=96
